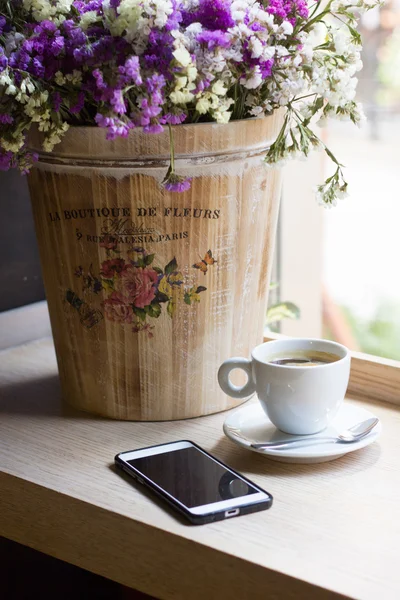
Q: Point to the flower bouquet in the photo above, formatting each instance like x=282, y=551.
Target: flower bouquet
x=121, y=64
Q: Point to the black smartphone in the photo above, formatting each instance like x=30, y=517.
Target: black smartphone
x=193, y=482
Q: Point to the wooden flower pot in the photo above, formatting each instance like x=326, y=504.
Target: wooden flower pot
x=150, y=291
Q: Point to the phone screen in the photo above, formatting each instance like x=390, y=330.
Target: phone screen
x=192, y=477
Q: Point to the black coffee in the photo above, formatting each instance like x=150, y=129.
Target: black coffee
x=304, y=358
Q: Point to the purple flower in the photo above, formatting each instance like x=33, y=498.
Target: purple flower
x=26, y=162
x=117, y=102
x=3, y=60
x=115, y=126
x=79, y=104
x=148, y=110
x=98, y=75
x=155, y=83
x=132, y=69
x=288, y=9
x=173, y=119
x=302, y=8
x=38, y=68
x=82, y=54
x=214, y=39
x=57, y=45
x=201, y=86
x=153, y=128
x=3, y=24
x=45, y=26
x=6, y=160
x=257, y=27
x=212, y=14
x=266, y=68
x=176, y=183
x=24, y=59
x=6, y=119
x=174, y=18
x=85, y=6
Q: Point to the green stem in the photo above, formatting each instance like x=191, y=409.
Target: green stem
x=318, y=17
x=171, y=148
x=316, y=6
x=303, y=97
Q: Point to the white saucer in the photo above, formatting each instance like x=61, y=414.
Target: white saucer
x=250, y=424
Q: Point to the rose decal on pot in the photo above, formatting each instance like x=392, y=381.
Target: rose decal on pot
x=136, y=290
x=138, y=285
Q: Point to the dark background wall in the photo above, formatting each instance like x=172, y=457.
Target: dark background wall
x=20, y=275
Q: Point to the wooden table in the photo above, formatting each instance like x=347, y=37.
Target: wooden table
x=334, y=529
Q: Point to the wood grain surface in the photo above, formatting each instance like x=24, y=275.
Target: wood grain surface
x=375, y=377
x=161, y=364
x=332, y=532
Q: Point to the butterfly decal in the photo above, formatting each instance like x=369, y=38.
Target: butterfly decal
x=205, y=262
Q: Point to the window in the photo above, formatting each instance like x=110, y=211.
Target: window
x=341, y=266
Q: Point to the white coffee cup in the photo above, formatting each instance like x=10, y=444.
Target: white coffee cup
x=299, y=400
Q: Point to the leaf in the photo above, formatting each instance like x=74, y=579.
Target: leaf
x=141, y=263
x=333, y=159
x=201, y=288
x=160, y=297
x=171, y=308
x=171, y=266
x=158, y=270
x=318, y=103
x=187, y=299
x=283, y=310
x=149, y=259
x=108, y=284
x=154, y=310
x=355, y=34
x=139, y=312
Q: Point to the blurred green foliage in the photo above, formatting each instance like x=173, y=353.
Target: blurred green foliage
x=277, y=311
x=380, y=334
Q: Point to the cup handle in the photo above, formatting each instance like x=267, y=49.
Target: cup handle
x=236, y=391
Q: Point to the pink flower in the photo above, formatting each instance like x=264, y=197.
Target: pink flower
x=116, y=308
x=110, y=267
x=108, y=242
x=138, y=285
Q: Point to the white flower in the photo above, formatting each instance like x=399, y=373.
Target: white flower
x=218, y=88
x=75, y=77
x=59, y=78
x=182, y=56
x=203, y=105
x=180, y=97
x=256, y=47
x=5, y=79
x=45, y=9
x=134, y=19
x=254, y=80
x=88, y=18
x=14, y=145
x=256, y=111
x=222, y=116
x=286, y=28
